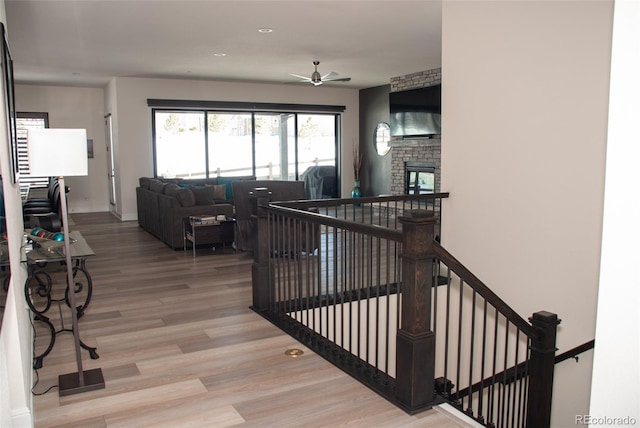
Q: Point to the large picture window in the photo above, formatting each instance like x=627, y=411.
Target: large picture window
x=270, y=145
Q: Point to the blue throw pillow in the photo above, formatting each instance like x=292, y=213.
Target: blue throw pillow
x=227, y=181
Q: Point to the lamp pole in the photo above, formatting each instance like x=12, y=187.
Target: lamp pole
x=73, y=383
x=70, y=282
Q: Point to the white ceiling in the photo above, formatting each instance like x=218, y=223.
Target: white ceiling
x=87, y=42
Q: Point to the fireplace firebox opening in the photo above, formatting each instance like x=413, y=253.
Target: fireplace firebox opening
x=419, y=178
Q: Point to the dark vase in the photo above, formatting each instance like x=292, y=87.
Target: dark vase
x=356, y=193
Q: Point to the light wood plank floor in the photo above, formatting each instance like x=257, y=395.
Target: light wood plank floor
x=179, y=346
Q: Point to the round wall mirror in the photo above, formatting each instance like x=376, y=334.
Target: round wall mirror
x=382, y=138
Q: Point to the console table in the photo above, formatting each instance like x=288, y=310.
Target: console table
x=40, y=290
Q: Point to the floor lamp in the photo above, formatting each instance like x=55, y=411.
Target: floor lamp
x=63, y=152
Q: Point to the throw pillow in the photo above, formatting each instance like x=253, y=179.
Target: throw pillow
x=226, y=181
x=145, y=182
x=204, y=195
x=171, y=189
x=185, y=197
x=219, y=192
x=157, y=186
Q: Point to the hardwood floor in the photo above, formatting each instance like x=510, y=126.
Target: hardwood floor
x=179, y=346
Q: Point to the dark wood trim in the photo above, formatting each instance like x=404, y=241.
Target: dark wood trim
x=541, y=367
x=574, y=352
x=243, y=106
x=311, y=217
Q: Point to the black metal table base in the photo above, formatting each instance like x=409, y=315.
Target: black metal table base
x=38, y=360
x=38, y=293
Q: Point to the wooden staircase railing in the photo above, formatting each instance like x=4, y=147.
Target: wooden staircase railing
x=388, y=304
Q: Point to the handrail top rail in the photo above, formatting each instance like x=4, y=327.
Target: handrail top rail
x=477, y=285
x=369, y=229
x=328, y=202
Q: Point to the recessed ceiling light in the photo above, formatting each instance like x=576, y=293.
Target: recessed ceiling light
x=219, y=54
x=265, y=30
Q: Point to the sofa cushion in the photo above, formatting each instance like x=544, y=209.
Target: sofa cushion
x=219, y=192
x=203, y=195
x=171, y=189
x=227, y=183
x=145, y=182
x=157, y=186
x=185, y=197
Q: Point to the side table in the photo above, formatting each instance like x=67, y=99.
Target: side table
x=208, y=231
x=39, y=287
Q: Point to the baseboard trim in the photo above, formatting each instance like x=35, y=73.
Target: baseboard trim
x=457, y=415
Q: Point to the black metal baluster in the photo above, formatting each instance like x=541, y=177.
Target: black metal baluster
x=503, y=395
x=471, y=349
x=525, y=387
x=338, y=275
x=481, y=411
x=434, y=306
x=336, y=278
x=286, y=230
x=492, y=401
x=353, y=274
x=388, y=308
x=446, y=334
x=459, y=352
x=515, y=379
x=307, y=271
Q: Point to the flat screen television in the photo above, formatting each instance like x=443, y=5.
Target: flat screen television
x=415, y=112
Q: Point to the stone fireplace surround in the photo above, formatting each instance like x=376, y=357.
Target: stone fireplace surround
x=420, y=149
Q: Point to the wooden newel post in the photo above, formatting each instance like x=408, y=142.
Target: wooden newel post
x=260, y=268
x=415, y=351
x=541, y=366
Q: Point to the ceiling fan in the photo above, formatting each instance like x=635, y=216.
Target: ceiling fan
x=316, y=79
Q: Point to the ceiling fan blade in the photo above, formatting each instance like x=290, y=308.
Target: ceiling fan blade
x=338, y=79
x=305, y=78
x=329, y=76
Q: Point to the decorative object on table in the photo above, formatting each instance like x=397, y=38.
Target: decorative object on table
x=45, y=234
x=49, y=241
x=357, y=165
x=63, y=152
x=206, y=219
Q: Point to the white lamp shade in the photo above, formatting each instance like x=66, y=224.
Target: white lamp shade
x=57, y=152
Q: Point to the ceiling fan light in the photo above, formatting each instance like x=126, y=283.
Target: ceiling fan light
x=316, y=78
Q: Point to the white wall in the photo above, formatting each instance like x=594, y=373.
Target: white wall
x=615, y=391
x=16, y=402
x=525, y=99
x=133, y=128
x=70, y=107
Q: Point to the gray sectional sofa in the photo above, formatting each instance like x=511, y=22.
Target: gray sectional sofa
x=163, y=204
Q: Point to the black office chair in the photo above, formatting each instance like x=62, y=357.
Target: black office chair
x=44, y=212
